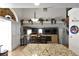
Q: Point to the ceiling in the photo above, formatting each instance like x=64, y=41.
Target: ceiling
x=42, y=5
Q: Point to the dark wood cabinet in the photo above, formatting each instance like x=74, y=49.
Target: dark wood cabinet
x=40, y=39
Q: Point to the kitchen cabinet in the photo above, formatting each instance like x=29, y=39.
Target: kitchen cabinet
x=54, y=39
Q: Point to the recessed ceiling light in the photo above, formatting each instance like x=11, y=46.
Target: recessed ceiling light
x=36, y=4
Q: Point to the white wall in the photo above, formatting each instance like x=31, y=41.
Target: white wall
x=27, y=13
x=19, y=12
x=74, y=38
x=51, y=13
x=15, y=29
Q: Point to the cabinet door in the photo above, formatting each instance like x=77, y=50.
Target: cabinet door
x=54, y=38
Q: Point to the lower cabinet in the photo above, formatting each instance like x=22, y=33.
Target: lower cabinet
x=42, y=39
x=23, y=42
x=54, y=39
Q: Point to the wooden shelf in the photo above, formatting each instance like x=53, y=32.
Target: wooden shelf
x=7, y=11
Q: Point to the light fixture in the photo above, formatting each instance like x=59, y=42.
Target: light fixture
x=34, y=19
x=8, y=16
x=36, y=4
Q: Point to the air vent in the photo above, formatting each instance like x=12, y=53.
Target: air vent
x=45, y=9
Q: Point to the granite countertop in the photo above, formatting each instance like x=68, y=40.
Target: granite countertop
x=47, y=50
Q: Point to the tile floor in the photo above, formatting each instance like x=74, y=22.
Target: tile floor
x=18, y=51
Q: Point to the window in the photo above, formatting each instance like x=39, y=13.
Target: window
x=40, y=31
x=29, y=31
